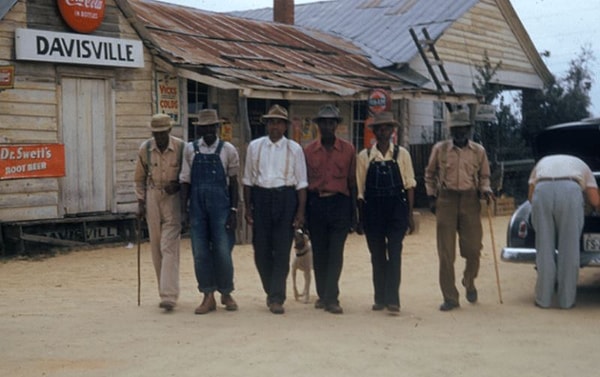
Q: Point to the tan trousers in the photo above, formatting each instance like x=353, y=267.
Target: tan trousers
x=458, y=212
x=163, y=214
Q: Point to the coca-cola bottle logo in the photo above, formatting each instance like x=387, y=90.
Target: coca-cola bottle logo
x=83, y=16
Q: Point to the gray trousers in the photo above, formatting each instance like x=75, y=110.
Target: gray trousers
x=557, y=217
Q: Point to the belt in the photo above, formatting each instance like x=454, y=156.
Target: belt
x=553, y=179
x=323, y=194
x=277, y=189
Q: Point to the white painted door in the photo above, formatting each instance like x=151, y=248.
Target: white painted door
x=87, y=134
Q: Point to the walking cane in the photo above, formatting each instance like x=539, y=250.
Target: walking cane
x=139, y=247
x=494, y=253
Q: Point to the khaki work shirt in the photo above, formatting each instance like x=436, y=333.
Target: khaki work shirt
x=164, y=167
x=458, y=169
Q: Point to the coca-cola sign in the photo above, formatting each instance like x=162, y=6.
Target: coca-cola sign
x=83, y=16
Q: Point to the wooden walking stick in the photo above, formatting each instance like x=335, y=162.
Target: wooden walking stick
x=139, y=247
x=494, y=253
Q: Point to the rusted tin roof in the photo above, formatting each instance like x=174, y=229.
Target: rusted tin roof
x=250, y=54
x=381, y=27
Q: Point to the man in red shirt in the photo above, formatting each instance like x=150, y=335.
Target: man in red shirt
x=331, y=204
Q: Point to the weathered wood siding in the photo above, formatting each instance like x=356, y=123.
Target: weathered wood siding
x=30, y=113
x=462, y=47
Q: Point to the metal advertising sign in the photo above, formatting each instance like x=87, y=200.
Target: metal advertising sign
x=378, y=100
x=32, y=161
x=83, y=16
x=7, y=77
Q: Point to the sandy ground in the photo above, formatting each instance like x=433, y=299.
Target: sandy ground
x=76, y=314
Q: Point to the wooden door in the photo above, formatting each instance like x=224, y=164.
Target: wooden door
x=87, y=134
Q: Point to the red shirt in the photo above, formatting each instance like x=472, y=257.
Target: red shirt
x=331, y=171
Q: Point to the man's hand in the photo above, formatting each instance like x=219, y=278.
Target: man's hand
x=141, y=209
x=172, y=187
x=489, y=196
x=432, y=203
x=231, y=223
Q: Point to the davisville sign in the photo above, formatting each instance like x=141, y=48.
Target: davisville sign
x=47, y=46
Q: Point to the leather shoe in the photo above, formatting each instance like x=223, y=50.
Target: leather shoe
x=167, y=305
x=393, y=309
x=334, y=309
x=276, y=308
x=208, y=304
x=377, y=307
x=448, y=305
x=472, y=296
x=229, y=303
x=319, y=304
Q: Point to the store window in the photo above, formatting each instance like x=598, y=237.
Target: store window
x=360, y=114
x=197, y=99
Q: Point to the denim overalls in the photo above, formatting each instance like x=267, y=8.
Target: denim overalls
x=210, y=207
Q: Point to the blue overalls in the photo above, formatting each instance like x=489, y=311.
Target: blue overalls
x=212, y=243
x=386, y=223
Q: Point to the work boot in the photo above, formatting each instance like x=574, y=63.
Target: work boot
x=229, y=303
x=208, y=304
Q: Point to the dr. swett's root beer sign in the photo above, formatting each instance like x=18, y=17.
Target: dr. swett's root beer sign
x=32, y=161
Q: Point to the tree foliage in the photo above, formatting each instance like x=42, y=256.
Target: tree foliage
x=565, y=99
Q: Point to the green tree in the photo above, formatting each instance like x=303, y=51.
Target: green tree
x=563, y=100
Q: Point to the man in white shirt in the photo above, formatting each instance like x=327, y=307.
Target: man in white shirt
x=557, y=215
x=275, y=197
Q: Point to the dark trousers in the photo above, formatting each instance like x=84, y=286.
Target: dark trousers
x=386, y=222
x=328, y=224
x=273, y=213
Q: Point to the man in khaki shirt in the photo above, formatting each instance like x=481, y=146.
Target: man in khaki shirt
x=457, y=173
x=157, y=191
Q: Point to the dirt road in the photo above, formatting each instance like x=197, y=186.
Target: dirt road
x=76, y=314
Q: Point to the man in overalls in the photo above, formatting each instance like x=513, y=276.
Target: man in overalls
x=386, y=182
x=157, y=191
x=209, y=181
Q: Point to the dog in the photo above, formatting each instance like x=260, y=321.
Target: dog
x=303, y=261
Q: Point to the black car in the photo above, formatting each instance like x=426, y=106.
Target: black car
x=580, y=139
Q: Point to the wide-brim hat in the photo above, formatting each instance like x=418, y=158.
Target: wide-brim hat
x=275, y=112
x=460, y=119
x=384, y=117
x=328, y=112
x=161, y=123
x=207, y=117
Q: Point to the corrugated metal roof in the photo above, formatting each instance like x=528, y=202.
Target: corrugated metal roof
x=379, y=27
x=254, y=54
x=5, y=6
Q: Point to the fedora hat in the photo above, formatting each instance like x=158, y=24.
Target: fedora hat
x=207, y=117
x=275, y=112
x=161, y=122
x=328, y=112
x=460, y=119
x=384, y=117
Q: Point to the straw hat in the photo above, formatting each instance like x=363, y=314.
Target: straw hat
x=161, y=122
x=384, y=117
x=207, y=117
x=275, y=112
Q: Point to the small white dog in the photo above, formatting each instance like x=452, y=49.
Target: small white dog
x=303, y=261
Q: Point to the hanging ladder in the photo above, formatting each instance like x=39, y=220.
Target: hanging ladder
x=432, y=59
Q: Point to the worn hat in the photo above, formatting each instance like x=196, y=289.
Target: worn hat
x=384, y=117
x=328, y=112
x=276, y=112
x=459, y=119
x=161, y=122
x=207, y=117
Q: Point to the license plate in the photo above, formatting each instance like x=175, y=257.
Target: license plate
x=591, y=242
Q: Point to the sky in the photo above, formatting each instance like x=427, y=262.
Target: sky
x=559, y=26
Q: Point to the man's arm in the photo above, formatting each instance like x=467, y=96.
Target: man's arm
x=248, y=205
x=233, y=203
